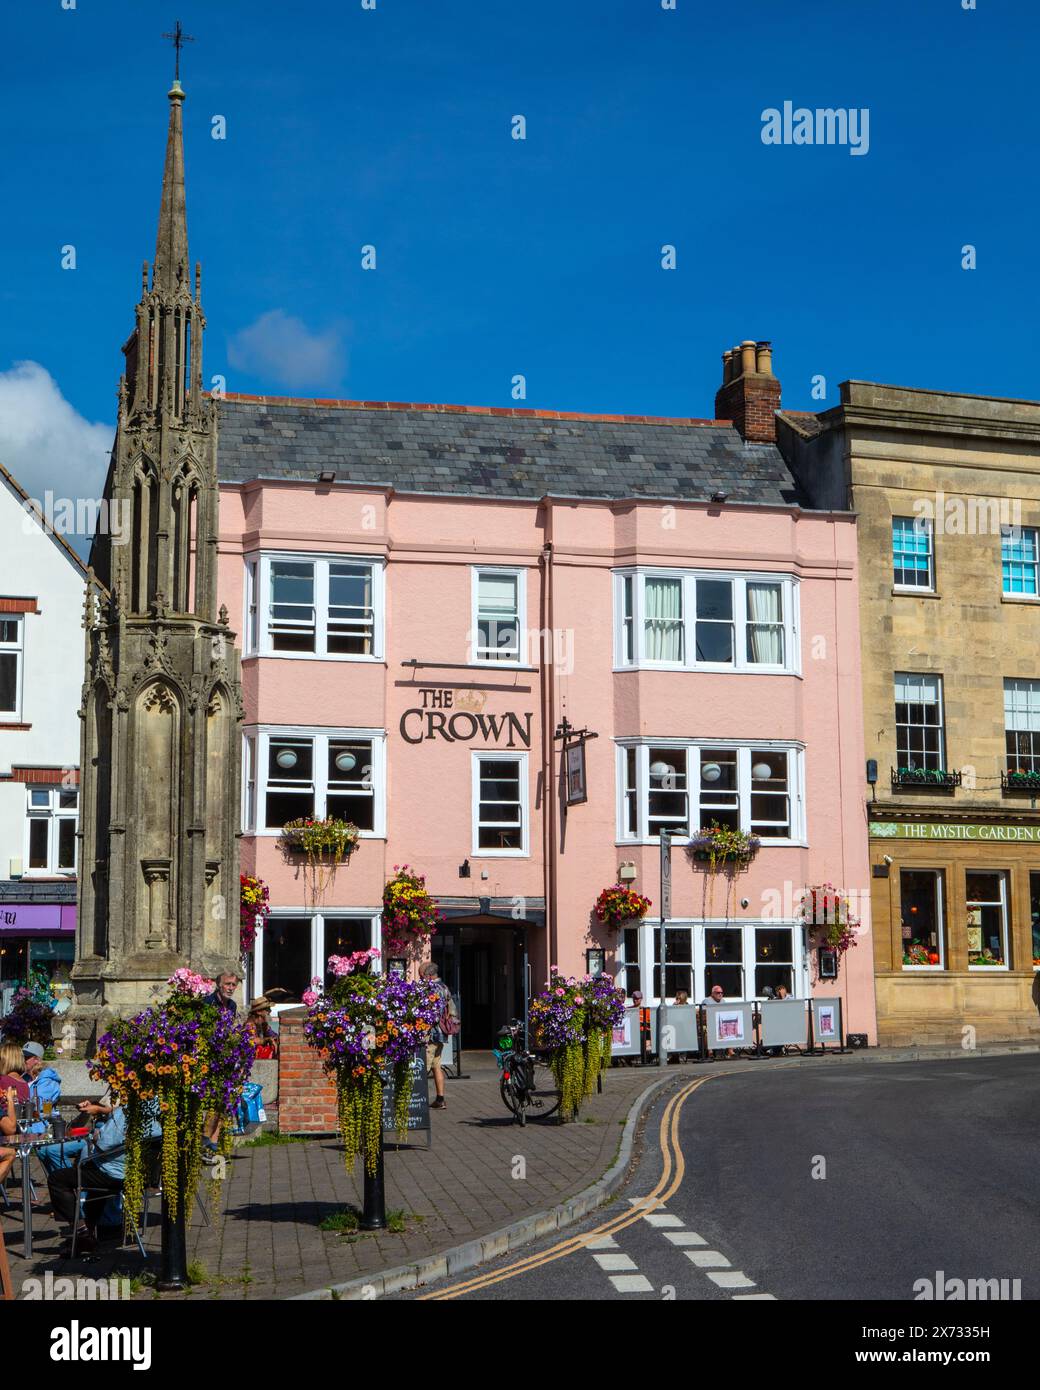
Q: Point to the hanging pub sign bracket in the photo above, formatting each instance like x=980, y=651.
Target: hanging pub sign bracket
x=575, y=784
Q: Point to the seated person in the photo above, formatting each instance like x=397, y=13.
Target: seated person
x=716, y=996
x=44, y=1083
x=259, y=1024
x=14, y=1091
x=64, y=1155
x=103, y=1176
x=681, y=997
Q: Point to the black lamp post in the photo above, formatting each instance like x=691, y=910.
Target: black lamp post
x=173, y=1270
x=373, y=1218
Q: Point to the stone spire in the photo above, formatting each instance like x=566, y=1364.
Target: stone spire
x=170, y=270
x=162, y=696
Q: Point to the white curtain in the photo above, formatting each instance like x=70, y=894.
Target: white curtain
x=765, y=624
x=663, y=607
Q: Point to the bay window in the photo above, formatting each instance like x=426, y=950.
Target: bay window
x=745, y=959
x=696, y=620
x=324, y=607
x=293, y=947
x=755, y=788
x=290, y=773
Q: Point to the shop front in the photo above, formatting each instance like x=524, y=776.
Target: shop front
x=956, y=912
x=37, y=938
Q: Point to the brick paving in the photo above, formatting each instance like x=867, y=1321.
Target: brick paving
x=265, y=1242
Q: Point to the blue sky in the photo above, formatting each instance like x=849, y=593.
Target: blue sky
x=495, y=257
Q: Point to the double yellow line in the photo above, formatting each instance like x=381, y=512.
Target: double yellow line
x=672, y=1172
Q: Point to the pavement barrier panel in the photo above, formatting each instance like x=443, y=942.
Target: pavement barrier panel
x=785, y=1023
x=729, y=1025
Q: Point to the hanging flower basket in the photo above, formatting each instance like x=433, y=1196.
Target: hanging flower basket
x=832, y=924
x=367, y=1028
x=327, y=844
x=253, y=910
x=175, y=1063
x=619, y=904
x=410, y=915
x=720, y=845
x=329, y=841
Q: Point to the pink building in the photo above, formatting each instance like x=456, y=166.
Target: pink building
x=428, y=592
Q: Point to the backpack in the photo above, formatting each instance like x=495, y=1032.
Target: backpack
x=449, y=1023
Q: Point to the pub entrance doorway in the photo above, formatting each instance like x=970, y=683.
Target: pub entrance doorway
x=483, y=961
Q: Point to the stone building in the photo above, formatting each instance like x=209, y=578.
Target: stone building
x=946, y=489
x=161, y=698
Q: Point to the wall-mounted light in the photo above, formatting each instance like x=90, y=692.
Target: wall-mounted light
x=710, y=772
x=719, y=496
x=761, y=772
x=286, y=757
x=345, y=762
x=464, y=869
x=661, y=770
x=328, y=475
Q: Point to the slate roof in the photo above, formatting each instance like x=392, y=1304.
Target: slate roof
x=34, y=890
x=491, y=452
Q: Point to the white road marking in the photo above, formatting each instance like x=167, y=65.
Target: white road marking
x=602, y=1243
x=707, y=1259
x=753, y=1297
x=731, y=1279
x=631, y=1283
x=619, y=1261
x=661, y=1219
x=684, y=1238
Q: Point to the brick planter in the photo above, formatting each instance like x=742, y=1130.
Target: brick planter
x=306, y=1096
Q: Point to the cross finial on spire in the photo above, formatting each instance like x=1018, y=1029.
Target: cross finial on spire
x=178, y=38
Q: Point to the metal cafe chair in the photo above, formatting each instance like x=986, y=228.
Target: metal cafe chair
x=152, y=1159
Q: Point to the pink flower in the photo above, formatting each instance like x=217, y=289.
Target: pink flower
x=310, y=998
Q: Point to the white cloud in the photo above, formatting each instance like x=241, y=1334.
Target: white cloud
x=282, y=349
x=44, y=441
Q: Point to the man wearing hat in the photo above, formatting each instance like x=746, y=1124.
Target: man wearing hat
x=44, y=1082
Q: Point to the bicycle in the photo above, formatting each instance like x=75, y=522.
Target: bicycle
x=519, y=1080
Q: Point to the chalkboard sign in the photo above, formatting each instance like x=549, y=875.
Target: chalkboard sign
x=418, y=1105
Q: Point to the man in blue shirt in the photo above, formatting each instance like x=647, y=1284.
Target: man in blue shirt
x=103, y=1176
x=44, y=1082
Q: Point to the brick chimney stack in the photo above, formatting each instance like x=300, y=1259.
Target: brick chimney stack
x=750, y=393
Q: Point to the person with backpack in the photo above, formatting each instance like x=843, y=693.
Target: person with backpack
x=446, y=1026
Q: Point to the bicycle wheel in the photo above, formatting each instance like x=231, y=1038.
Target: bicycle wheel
x=545, y=1097
x=512, y=1100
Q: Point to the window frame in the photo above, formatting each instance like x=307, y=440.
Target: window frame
x=519, y=573
x=647, y=963
x=1007, y=533
x=1030, y=689
x=694, y=748
x=259, y=737
x=926, y=528
x=256, y=616
x=939, y=874
x=940, y=704
x=17, y=650
x=53, y=815
x=318, y=918
x=739, y=579
x=491, y=755
x=1004, y=902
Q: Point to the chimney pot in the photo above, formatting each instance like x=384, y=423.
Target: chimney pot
x=750, y=393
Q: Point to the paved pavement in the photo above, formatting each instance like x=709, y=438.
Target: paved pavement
x=942, y=1148
x=846, y=1182
x=482, y=1173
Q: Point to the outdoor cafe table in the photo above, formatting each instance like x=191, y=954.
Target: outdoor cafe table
x=23, y=1145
